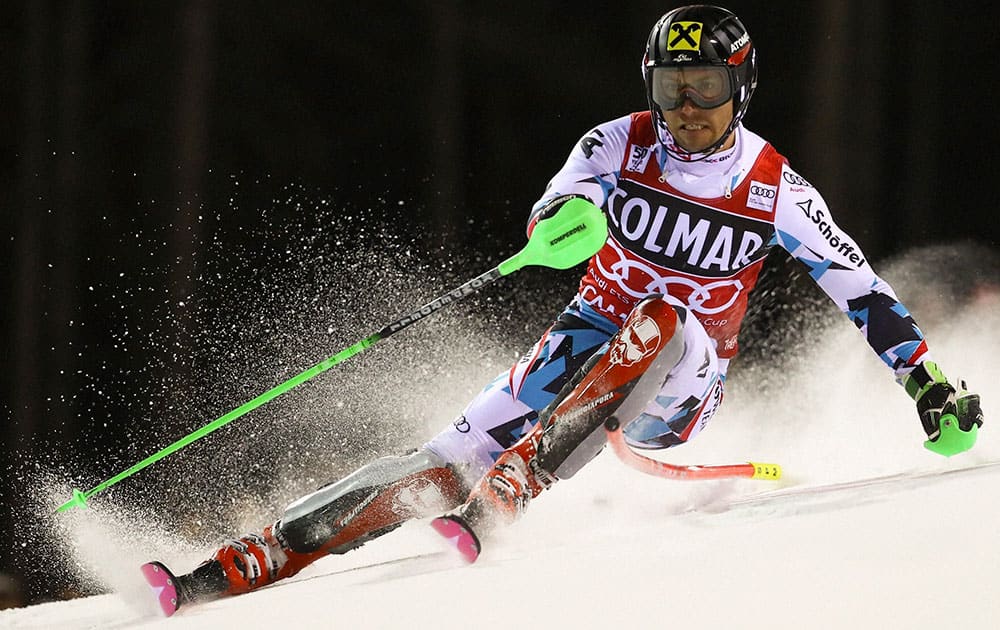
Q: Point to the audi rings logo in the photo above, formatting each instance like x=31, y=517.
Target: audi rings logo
x=639, y=280
x=761, y=196
x=794, y=179
x=704, y=298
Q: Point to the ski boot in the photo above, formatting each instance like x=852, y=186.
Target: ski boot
x=621, y=378
x=500, y=497
x=239, y=566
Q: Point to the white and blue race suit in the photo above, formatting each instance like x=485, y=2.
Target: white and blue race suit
x=696, y=232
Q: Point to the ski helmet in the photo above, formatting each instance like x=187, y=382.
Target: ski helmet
x=704, y=37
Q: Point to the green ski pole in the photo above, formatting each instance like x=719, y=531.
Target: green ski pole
x=572, y=235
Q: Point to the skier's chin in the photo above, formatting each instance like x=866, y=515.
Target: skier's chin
x=695, y=146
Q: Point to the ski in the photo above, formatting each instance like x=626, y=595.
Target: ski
x=459, y=534
x=829, y=493
x=171, y=592
x=164, y=586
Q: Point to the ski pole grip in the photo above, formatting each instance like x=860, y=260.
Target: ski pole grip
x=569, y=237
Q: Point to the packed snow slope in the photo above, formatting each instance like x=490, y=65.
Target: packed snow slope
x=613, y=549
x=866, y=530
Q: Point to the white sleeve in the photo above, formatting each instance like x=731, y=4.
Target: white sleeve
x=592, y=167
x=805, y=228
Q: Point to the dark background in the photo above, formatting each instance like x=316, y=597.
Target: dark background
x=137, y=137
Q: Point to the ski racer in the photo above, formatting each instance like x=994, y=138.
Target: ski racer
x=694, y=202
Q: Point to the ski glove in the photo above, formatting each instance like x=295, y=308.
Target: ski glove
x=951, y=418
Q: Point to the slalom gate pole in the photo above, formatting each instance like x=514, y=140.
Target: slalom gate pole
x=569, y=237
x=749, y=470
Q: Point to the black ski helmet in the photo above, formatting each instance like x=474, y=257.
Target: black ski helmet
x=701, y=35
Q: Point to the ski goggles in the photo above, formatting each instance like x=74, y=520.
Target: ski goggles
x=708, y=87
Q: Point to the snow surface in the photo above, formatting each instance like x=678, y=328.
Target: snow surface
x=620, y=550
x=613, y=548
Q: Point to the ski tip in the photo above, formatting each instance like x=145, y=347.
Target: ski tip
x=459, y=535
x=164, y=586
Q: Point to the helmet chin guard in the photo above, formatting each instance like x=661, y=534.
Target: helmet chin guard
x=690, y=37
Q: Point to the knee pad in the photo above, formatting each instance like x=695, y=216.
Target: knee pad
x=619, y=380
x=689, y=395
x=371, y=501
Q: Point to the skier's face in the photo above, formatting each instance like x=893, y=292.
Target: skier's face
x=695, y=129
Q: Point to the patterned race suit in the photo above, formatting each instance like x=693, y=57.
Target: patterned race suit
x=697, y=232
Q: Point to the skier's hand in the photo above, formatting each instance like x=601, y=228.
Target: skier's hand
x=951, y=418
